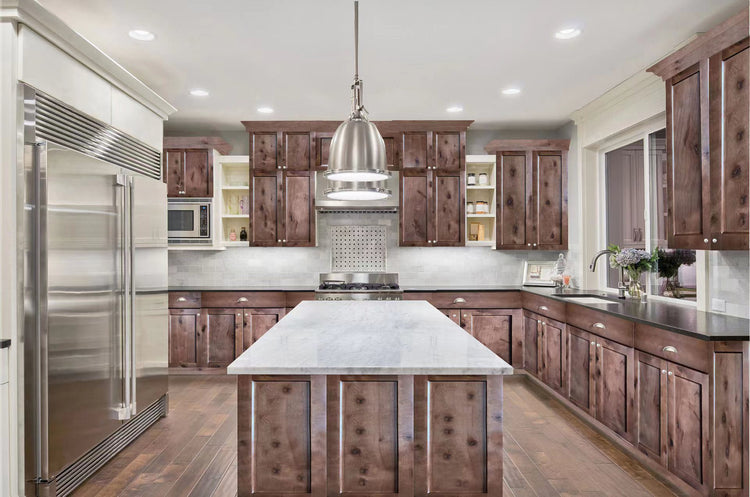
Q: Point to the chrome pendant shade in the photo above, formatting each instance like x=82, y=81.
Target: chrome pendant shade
x=357, y=160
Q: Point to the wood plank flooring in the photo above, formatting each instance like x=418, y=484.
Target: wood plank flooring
x=192, y=452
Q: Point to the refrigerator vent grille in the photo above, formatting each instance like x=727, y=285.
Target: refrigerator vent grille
x=358, y=249
x=75, y=474
x=66, y=126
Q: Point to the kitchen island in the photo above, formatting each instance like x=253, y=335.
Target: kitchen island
x=369, y=398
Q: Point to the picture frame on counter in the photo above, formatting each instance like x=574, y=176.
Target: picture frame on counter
x=538, y=273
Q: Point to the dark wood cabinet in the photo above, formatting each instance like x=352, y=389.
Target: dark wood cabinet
x=532, y=199
x=222, y=337
x=189, y=164
x=614, y=375
x=493, y=328
x=432, y=187
x=650, y=435
x=707, y=139
x=531, y=345
x=580, y=362
x=553, y=354
x=184, y=337
x=257, y=322
x=282, y=194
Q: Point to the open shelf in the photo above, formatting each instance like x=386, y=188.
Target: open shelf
x=481, y=164
x=480, y=215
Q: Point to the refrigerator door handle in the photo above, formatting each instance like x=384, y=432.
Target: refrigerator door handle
x=131, y=276
x=123, y=412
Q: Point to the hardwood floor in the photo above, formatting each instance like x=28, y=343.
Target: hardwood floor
x=192, y=452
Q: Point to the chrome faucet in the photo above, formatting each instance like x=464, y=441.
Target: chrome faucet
x=621, y=283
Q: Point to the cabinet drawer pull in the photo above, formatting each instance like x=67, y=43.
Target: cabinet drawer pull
x=669, y=348
x=182, y=299
x=242, y=299
x=459, y=300
x=599, y=325
x=543, y=308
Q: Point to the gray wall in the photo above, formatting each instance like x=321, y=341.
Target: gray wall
x=729, y=280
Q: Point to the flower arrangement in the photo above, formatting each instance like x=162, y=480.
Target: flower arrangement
x=634, y=262
x=669, y=266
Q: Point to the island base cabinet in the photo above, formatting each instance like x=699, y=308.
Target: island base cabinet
x=369, y=435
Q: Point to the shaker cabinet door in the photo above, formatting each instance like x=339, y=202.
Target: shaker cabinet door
x=265, y=219
x=651, y=406
x=222, y=337
x=492, y=329
x=614, y=380
x=414, y=210
x=550, y=226
x=299, y=209
x=580, y=362
x=184, y=337
x=513, y=211
x=199, y=173
x=531, y=346
x=553, y=354
x=448, y=211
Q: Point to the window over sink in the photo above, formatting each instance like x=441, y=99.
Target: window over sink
x=634, y=199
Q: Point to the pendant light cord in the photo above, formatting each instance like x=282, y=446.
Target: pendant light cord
x=358, y=109
x=356, y=41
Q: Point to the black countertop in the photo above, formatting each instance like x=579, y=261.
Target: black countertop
x=678, y=318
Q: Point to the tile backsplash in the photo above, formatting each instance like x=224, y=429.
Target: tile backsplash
x=287, y=266
x=729, y=280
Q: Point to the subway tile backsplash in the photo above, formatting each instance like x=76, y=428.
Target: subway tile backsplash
x=417, y=266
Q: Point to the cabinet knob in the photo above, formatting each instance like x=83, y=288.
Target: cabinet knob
x=670, y=373
x=181, y=192
x=538, y=321
x=284, y=240
x=182, y=299
x=663, y=371
x=278, y=241
x=669, y=348
x=242, y=299
x=247, y=315
x=593, y=343
x=455, y=315
x=544, y=323
x=714, y=240
x=434, y=241
x=535, y=245
x=239, y=314
x=599, y=325
x=599, y=345
x=459, y=300
x=543, y=308
x=528, y=244
x=705, y=240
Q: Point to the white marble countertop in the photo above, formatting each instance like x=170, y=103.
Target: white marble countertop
x=375, y=337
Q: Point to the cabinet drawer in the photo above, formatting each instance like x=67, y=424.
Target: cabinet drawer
x=688, y=351
x=243, y=299
x=468, y=300
x=184, y=300
x=602, y=324
x=541, y=305
x=294, y=298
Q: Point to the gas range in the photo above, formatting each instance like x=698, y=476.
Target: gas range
x=358, y=286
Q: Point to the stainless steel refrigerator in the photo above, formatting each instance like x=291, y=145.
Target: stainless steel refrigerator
x=95, y=293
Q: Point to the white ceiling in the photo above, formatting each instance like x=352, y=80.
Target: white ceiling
x=417, y=57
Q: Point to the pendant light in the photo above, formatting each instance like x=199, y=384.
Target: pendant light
x=356, y=160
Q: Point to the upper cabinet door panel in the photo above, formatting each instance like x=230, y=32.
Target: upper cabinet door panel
x=730, y=118
x=264, y=219
x=417, y=151
x=393, y=144
x=297, y=151
x=198, y=173
x=322, y=150
x=175, y=167
x=551, y=216
x=449, y=213
x=448, y=152
x=511, y=200
x=299, y=215
x=685, y=177
x=264, y=151
x=414, y=210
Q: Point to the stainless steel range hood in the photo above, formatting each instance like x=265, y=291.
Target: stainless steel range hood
x=324, y=204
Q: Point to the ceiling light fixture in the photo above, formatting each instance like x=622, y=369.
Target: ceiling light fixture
x=265, y=110
x=567, y=33
x=141, y=35
x=510, y=91
x=357, y=154
x=454, y=108
x=199, y=92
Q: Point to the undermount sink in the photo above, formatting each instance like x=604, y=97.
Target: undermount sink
x=585, y=299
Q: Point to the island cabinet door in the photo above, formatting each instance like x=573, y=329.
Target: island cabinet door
x=458, y=447
x=532, y=347
x=614, y=375
x=184, y=337
x=651, y=406
x=370, y=432
x=580, y=363
x=222, y=337
x=553, y=354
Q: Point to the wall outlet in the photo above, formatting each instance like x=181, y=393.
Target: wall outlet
x=719, y=305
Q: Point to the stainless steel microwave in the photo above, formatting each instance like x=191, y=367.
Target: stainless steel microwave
x=189, y=220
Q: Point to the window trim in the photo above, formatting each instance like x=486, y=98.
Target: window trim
x=639, y=132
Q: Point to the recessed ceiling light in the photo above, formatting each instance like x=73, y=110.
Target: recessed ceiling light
x=454, y=108
x=141, y=35
x=510, y=91
x=567, y=33
x=199, y=92
x=265, y=110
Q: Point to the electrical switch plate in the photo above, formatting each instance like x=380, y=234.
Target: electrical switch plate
x=719, y=305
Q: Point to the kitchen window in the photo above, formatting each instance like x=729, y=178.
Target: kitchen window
x=634, y=193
